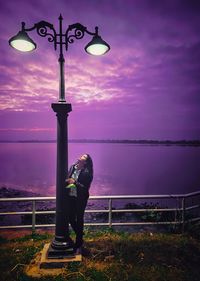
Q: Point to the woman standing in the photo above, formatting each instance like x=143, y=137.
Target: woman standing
x=79, y=179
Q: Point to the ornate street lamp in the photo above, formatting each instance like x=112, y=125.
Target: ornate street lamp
x=60, y=246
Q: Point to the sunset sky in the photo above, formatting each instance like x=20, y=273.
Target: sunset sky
x=146, y=87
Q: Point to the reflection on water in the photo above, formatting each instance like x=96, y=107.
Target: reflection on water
x=118, y=168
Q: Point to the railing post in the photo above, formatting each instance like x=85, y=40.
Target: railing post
x=176, y=214
x=110, y=213
x=175, y=217
x=183, y=214
x=33, y=216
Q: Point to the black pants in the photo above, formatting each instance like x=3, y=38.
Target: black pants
x=76, y=209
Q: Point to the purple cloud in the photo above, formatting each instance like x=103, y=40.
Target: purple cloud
x=147, y=86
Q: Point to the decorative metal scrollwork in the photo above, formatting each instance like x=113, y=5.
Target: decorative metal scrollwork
x=42, y=30
x=78, y=34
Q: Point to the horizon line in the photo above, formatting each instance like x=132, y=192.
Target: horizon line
x=107, y=141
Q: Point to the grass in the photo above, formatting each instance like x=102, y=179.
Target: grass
x=113, y=256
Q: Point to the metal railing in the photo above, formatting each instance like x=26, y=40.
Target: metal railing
x=186, y=209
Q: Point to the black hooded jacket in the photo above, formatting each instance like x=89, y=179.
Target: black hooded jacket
x=84, y=179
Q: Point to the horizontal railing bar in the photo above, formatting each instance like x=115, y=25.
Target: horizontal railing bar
x=143, y=210
x=45, y=212
x=16, y=213
x=43, y=225
x=95, y=211
x=133, y=210
x=27, y=213
x=16, y=226
x=27, y=199
x=194, y=219
x=48, y=212
x=144, y=223
x=91, y=224
x=144, y=196
x=192, y=207
x=192, y=194
x=106, y=197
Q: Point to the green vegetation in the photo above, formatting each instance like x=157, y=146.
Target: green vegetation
x=113, y=256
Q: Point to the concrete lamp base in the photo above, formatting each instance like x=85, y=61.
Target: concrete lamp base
x=41, y=265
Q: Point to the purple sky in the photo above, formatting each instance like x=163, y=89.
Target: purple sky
x=146, y=87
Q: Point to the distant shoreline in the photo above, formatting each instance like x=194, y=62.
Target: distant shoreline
x=122, y=141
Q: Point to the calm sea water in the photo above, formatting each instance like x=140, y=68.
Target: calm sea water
x=118, y=168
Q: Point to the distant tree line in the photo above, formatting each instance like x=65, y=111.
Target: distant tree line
x=164, y=142
x=125, y=141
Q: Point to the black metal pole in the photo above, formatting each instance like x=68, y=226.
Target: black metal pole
x=61, y=64
x=60, y=246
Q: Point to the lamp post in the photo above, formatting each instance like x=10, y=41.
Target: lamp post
x=60, y=246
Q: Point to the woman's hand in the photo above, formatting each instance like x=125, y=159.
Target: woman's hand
x=70, y=180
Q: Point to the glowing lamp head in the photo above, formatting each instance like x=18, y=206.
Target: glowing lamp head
x=22, y=42
x=97, y=46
